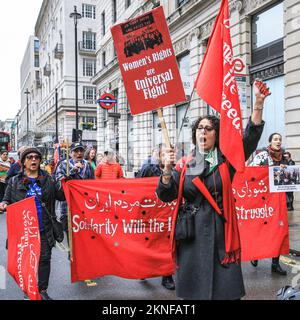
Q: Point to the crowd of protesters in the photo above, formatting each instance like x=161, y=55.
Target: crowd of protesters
x=205, y=261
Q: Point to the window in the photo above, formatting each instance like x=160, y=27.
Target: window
x=89, y=94
x=89, y=67
x=264, y=30
x=114, y=11
x=184, y=68
x=36, y=61
x=127, y=3
x=36, y=46
x=89, y=123
x=88, y=11
x=157, y=136
x=103, y=22
x=103, y=59
x=89, y=40
x=130, y=143
x=183, y=143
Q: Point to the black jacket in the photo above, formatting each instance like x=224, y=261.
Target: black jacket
x=17, y=190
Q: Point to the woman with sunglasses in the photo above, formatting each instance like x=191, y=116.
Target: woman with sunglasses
x=208, y=250
x=32, y=181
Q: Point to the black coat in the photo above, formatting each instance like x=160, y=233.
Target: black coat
x=199, y=273
x=16, y=191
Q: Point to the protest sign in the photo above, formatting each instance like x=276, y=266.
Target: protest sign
x=284, y=179
x=147, y=62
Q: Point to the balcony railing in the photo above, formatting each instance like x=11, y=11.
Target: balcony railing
x=47, y=70
x=59, y=51
x=87, y=47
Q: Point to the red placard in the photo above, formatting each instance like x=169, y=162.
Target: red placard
x=147, y=62
x=24, y=246
x=119, y=231
x=262, y=216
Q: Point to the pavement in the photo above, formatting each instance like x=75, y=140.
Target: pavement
x=260, y=283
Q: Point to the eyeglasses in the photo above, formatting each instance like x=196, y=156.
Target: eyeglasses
x=206, y=128
x=33, y=156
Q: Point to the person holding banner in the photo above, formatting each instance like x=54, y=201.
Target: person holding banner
x=154, y=168
x=206, y=231
x=273, y=155
x=32, y=181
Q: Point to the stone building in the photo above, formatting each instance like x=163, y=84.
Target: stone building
x=56, y=31
x=264, y=49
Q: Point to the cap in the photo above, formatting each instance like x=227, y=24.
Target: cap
x=76, y=145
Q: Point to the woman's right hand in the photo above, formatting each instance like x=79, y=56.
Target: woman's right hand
x=169, y=159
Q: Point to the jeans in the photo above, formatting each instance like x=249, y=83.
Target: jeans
x=44, y=265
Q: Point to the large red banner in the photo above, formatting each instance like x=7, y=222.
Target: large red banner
x=262, y=216
x=24, y=246
x=120, y=228
x=147, y=62
x=216, y=85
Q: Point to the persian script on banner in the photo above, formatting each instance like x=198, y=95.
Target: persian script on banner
x=148, y=62
x=24, y=246
x=120, y=228
x=262, y=216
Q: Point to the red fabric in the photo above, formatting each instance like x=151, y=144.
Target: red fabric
x=143, y=253
x=232, y=239
x=148, y=62
x=216, y=85
x=24, y=246
x=108, y=170
x=262, y=216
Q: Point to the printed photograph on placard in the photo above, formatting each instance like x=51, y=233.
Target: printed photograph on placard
x=285, y=179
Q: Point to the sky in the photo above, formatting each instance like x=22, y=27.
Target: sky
x=16, y=25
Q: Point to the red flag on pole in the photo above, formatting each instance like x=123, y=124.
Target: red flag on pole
x=217, y=86
x=24, y=246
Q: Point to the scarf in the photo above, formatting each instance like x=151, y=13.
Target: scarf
x=232, y=239
x=276, y=155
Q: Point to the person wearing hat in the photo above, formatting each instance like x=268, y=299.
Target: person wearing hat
x=4, y=167
x=32, y=181
x=16, y=167
x=79, y=168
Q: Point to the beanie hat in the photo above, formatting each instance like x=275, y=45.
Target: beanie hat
x=28, y=151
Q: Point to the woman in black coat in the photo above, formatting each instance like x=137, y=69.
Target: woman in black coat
x=202, y=272
x=32, y=181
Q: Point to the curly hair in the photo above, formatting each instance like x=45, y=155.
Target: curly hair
x=215, y=122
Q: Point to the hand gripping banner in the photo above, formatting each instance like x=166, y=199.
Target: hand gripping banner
x=119, y=227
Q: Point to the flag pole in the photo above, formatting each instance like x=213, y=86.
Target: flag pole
x=164, y=128
x=68, y=212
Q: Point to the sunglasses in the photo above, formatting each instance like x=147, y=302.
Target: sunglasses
x=33, y=156
x=206, y=128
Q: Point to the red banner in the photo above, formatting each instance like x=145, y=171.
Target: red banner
x=216, y=85
x=24, y=246
x=147, y=62
x=262, y=216
x=120, y=228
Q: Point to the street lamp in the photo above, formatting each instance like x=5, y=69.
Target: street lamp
x=75, y=15
x=27, y=114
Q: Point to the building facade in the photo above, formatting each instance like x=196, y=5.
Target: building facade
x=56, y=31
x=29, y=93
x=265, y=50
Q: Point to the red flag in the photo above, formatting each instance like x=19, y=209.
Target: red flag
x=216, y=85
x=262, y=216
x=119, y=231
x=24, y=246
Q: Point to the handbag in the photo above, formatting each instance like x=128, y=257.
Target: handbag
x=185, y=224
x=57, y=227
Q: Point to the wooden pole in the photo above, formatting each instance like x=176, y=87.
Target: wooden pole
x=164, y=128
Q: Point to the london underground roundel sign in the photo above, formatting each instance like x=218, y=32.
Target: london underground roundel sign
x=107, y=101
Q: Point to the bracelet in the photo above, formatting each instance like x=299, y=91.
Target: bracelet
x=258, y=108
